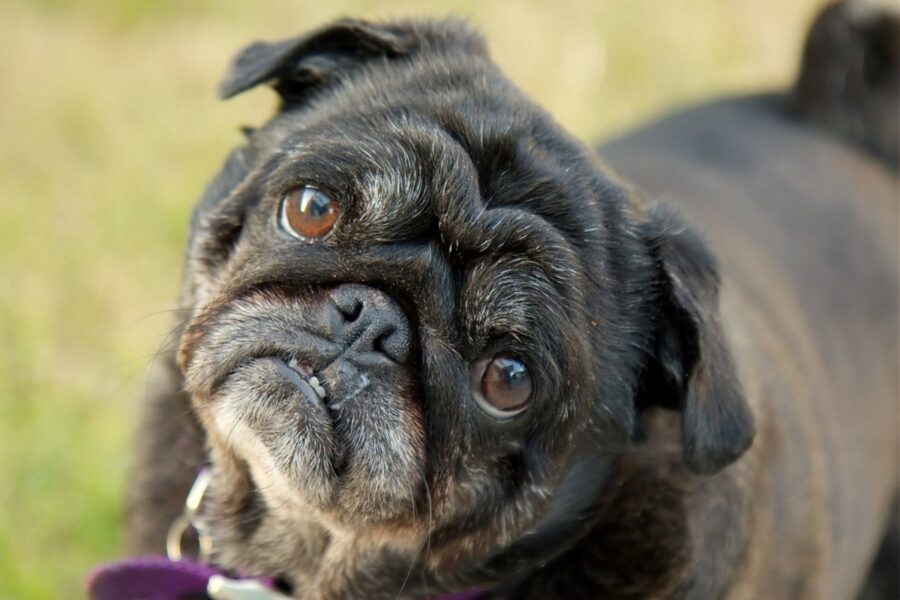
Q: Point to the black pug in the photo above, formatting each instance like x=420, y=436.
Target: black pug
x=434, y=344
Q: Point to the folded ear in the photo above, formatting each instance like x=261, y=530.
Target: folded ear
x=299, y=64
x=691, y=369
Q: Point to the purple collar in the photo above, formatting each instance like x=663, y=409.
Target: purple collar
x=158, y=578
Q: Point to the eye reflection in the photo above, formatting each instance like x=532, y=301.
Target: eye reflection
x=308, y=213
x=504, y=385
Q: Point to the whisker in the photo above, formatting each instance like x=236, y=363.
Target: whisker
x=423, y=578
x=165, y=311
x=412, y=561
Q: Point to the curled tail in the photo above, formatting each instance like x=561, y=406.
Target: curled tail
x=849, y=80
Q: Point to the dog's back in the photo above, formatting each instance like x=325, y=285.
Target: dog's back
x=801, y=206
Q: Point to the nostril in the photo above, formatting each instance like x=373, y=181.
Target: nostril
x=381, y=343
x=390, y=341
x=369, y=321
x=350, y=308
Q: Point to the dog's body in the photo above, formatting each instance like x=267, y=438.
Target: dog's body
x=628, y=474
x=805, y=228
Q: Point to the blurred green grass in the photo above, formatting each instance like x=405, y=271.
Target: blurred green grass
x=109, y=130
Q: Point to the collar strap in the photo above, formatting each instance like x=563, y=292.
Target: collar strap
x=152, y=578
x=159, y=578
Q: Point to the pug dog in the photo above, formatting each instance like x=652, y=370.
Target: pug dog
x=432, y=343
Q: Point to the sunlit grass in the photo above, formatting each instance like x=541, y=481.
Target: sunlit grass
x=109, y=129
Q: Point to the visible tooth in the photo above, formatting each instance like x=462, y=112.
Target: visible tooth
x=292, y=363
x=317, y=387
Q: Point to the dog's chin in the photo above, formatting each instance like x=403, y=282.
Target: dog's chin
x=344, y=443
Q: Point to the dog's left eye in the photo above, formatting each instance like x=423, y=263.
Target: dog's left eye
x=502, y=385
x=307, y=213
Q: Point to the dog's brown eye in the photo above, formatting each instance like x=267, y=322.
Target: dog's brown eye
x=504, y=386
x=308, y=213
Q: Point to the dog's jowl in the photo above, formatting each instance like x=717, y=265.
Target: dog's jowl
x=436, y=345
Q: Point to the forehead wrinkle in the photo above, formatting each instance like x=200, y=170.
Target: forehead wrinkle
x=390, y=197
x=509, y=296
x=516, y=232
x=469, y=225
x=394, y=185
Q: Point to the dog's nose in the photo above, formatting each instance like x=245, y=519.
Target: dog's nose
x=371, y=321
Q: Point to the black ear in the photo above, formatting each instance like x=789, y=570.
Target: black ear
x=297, y=65
x=691, y=369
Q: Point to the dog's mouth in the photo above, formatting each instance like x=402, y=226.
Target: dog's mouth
x=302, y=375
x=311, y=385
x=317, y=394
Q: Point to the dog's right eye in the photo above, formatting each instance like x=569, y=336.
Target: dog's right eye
x=308, y=213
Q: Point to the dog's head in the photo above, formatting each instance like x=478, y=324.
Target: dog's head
x=426, y=321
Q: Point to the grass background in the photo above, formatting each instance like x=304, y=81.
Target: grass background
x=109, y=129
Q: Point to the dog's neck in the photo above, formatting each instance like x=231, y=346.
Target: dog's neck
x=645, y=539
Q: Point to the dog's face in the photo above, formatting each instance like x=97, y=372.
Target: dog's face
x=426, y=321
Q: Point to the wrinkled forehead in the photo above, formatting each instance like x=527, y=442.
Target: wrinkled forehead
x=407, y=174
x=476, y=182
